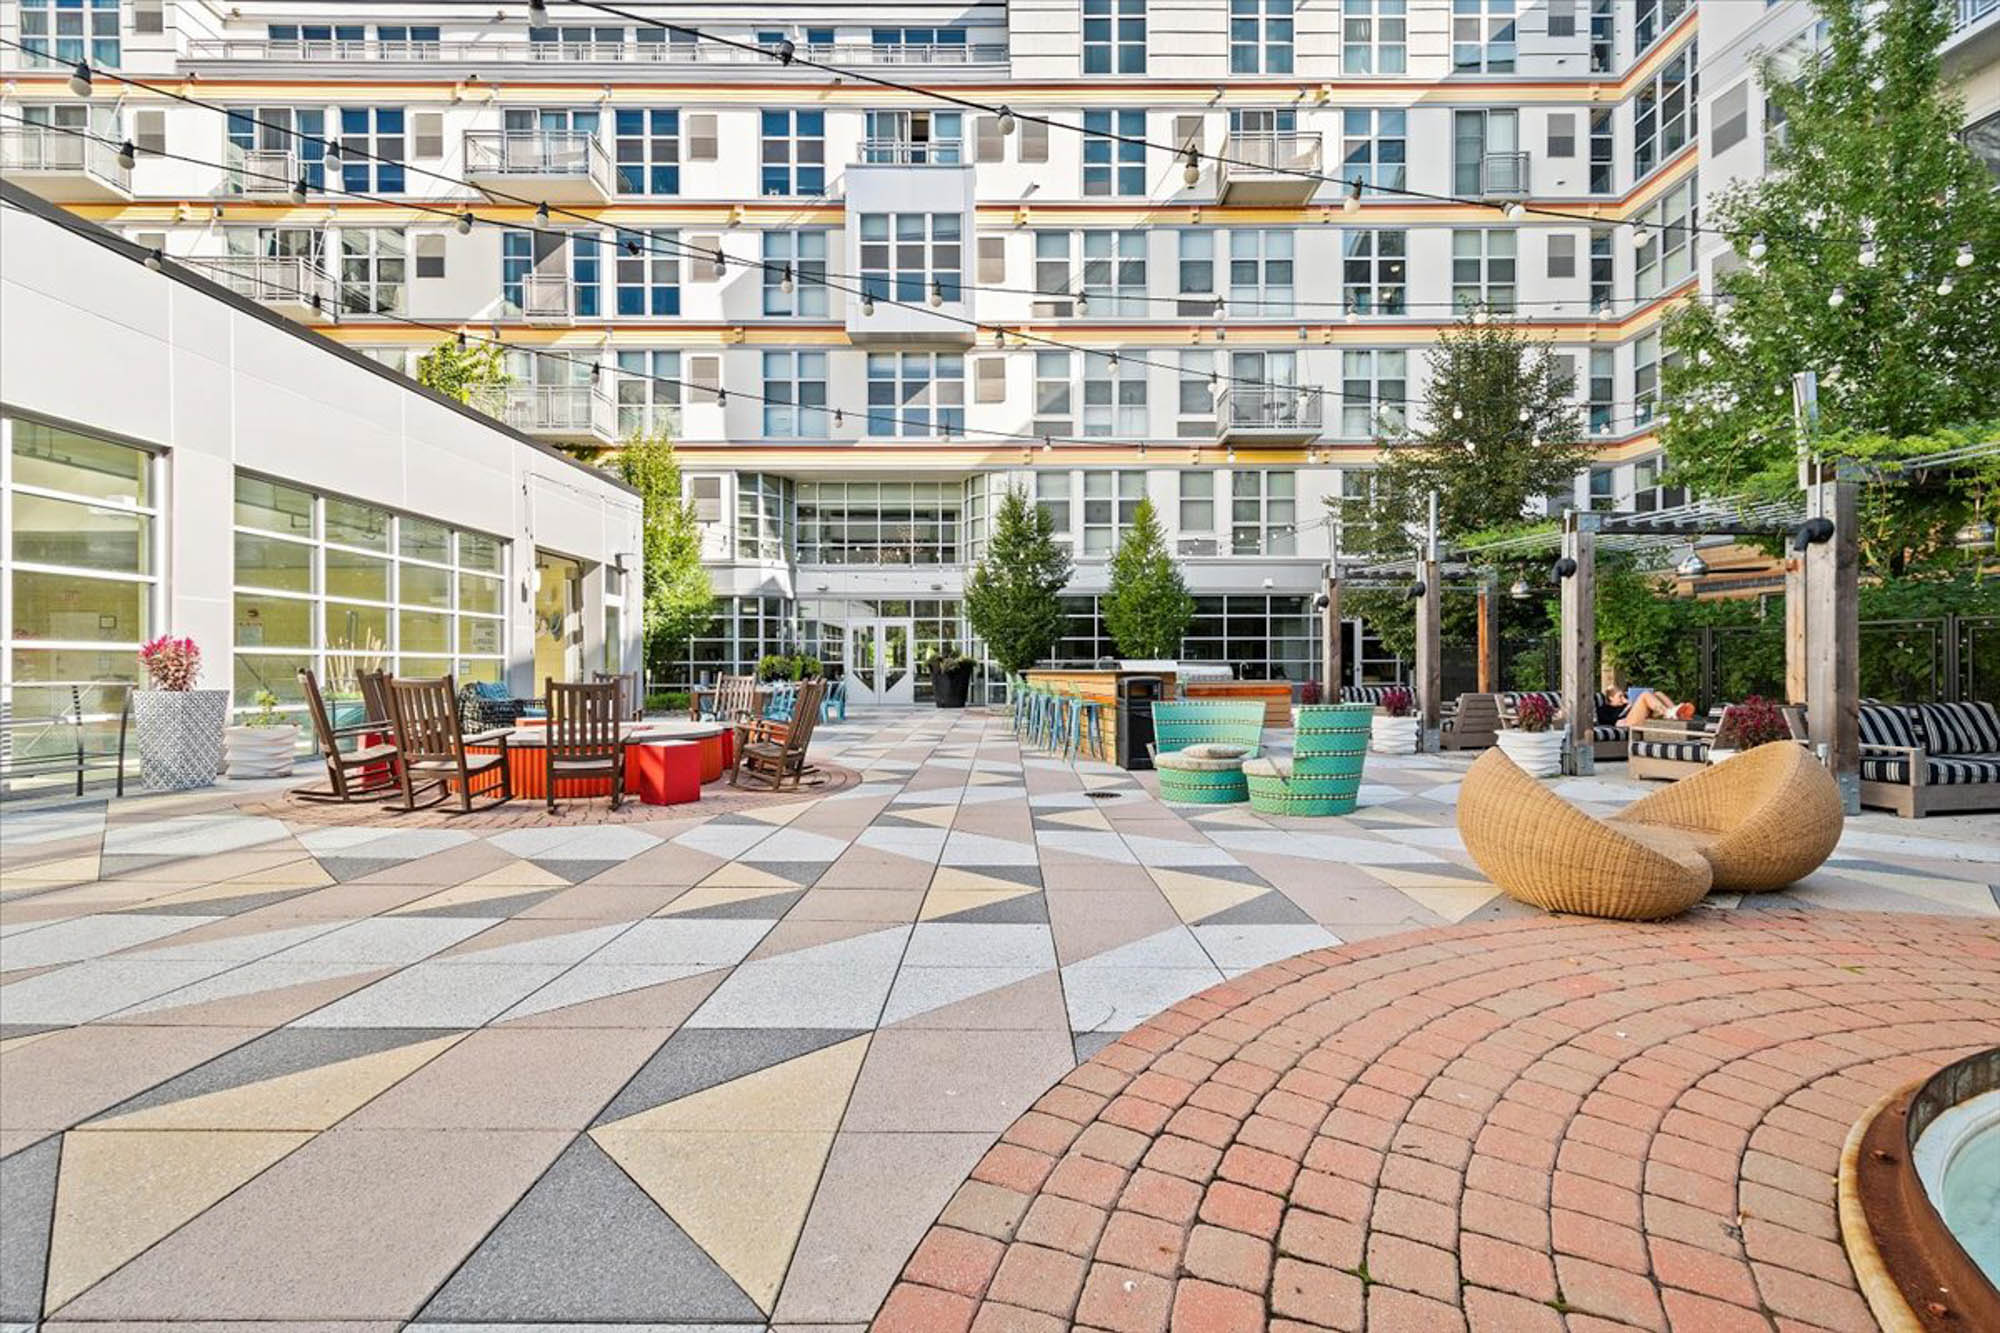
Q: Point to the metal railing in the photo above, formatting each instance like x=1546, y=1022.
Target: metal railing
x=571, y=153
x=550, y=409
x=591, y=52
x=1503, y=175
x=1254, y=154
x=913, y=153
x=261, y=171
x=276, y=279
x=50, y=148
x=545, y=296
x=1273, y=409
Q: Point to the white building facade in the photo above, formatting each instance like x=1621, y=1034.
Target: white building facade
x=175, y=459
x=1150, y=285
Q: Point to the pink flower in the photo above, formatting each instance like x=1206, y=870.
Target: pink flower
x=171, y=663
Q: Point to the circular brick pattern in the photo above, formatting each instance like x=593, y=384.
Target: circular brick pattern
x=1515, y=1127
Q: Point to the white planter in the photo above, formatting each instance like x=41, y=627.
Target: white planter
x=180, y=736
x=1392, y=735
x=260, y=752
x=1537, y=753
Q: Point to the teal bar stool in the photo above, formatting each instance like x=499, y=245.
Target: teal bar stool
x=1089, y=729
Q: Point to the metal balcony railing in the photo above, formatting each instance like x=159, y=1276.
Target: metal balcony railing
x=563, y=153
x=289, y=280
x=1270, y=409
x=551, y=409
x=48, y=148
x=1250, y=154
x=545, y=296
x=261, y=171
x=932, y=55
x=913, y=152
x=1503, y=175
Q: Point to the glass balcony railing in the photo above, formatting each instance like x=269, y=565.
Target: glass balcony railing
x=49, y=149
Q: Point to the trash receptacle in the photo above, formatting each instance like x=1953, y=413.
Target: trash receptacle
x=1136, y=696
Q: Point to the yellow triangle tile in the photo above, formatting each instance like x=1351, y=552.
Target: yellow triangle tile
x=1195, y=897
x=1452, y=900
x=1090, y=819
x=209, y=893
x=1093, y=781
x=712, y=894
x=506, y=882
x=937, y=816
x=16, y=1043
x=69, y=870
x=312, y=1099
x=806, y=1093
x=778, y=814
x=947, y=902
x=1402, y=877
x=955, y=878
x=120, y=1191
x=1242, y=818
x=738, y=875
x=993, y=780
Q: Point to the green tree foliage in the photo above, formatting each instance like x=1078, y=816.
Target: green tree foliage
x=1148, y=608
x=461, y=372
x=1497, y=433
x=679, y=597
x=1869, y=153
x=1011, y=594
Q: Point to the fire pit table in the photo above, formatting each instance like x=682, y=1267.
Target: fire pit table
x=666, y=761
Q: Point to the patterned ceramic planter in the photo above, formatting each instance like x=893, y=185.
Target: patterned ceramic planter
x=260, y=752
x=180, y=736
x=1537, y=753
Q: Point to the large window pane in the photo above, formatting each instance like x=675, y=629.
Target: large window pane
x=276, y=672
x=479, y=636
x=423, y=586
x=356, y=629
x=274, y=508
x=60, y=532
x=61, y=460
x=476, y=593
x=351, y=575
x=70, y=606
x=425, y=632
x=265, y=562
x=478, y=551
x=273, y=622
x=353, y=524
x=421, y=539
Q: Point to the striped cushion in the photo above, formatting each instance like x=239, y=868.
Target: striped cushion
x=1886, y=724
x=1366, y=694
x=1969, y=728
x=1691, y=751
x=1609, y=733
x=1948, y=771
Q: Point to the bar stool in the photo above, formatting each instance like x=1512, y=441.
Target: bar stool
x=1088, y=730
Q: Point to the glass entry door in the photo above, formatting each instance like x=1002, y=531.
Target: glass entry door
x=879, y=670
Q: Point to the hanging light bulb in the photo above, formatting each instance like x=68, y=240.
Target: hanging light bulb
x=787, y=49
x=722, y=397
x=79, y=80
x=1524, y=416
x=867, y=304
x=632, y=245
x=1457, y=412
x=1837, y=297
x=1191, y=173
x=1352, y=204
x=538, y=12
x=156, y=259
x=839, y=418
x=1637, y=235
x=1514, y=210
x=1048, y=445
x=127, y=153
x=1519, y=592
x=1111, y=362
x=1353, y=312
x=465, y=224
x=1964, y=259
x=1757, y=247
x=461, y=340
x=541, y=215
x=785, y=280
x=1869, y=255
x=1083, y=303
x=1944, y=285
x=1693, y=567
x=999, y=337
x=937, y=293
x=1232, y=453
x=298, y=191
x=331, y=152
x=1006, y=121
x=1214, y=384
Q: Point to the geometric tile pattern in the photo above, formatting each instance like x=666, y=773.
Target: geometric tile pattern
x=699, y=1070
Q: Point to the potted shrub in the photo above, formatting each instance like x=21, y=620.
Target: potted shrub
x=179, y=726
x=1745, y=726
x=263, y=744
x=1533, y=741
x=1393, y=730
x=951, y=677
x=774, y=667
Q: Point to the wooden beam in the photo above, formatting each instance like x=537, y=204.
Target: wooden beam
x=1795, y=627
x=1333, y=670
x=1489, y=638
x=1579, y=643
x=1833, y=637
x=1430, y=665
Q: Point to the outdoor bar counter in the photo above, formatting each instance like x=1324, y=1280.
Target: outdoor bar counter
x=1101, y=684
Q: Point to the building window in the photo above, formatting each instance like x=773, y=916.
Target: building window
x=343, y=587
x=762, y=503
x=1645, y=377
x=744, y=631
x=1263, y=512
x=1603, y=36
x=586, y=263
x=879, y=523
x=1195, y=402
x=66, y=32
x=646, y=149
x=1374, y=147
x=1262, y=637
x=1486, y=153
x=1114, y=395
x=1603, y=489
x=1197, y=271
x=801, y=257
x=1374, y=36
x=916, y=394
x=1652, y=18
x=1110, y=503
x=271, y=146
x=1373, y=386
x=1053, y=273
x=915, y=138
x=1648, y=496
x=1114, y=166
x=1261, y=272
x=1482, y=269
x=377, y=131
x=1603, y=151
x=1260, y=36
x=1665, y=257
x=648, y=393
x=1114, y=36
x=1482, y=36
x=905, y=256
x=1983, y=138
x=1603, y=401
x=1562, y=254
x=648, y=270
x=1052, y=497
x=1603, y=269
x=80, y=564
x=1114, y=272
x=1663, y=114
x=374, y=270
x=794, y=153
x=1055, y=413
x=795, y=394
x=1562, y=18
x=1197, y=515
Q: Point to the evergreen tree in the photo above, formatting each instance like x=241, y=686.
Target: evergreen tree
x=1011, y=594
x=679, y=600
x=1148, y=607
x=1856, y=243
x=462, y=372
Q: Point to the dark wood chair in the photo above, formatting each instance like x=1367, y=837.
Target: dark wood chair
x=632, y=698
x=585, y=736
x=366, y=772
x=775, y=752
x=432, y=746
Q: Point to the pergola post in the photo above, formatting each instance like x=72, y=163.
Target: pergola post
x=1832, y=638
x=1334, y=670
x=1795, y=628
x=1430, y=666
x=1579, y=640
x=1489, y=637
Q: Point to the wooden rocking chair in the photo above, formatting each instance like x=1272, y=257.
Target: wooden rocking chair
x=368, y=771
x=433, y=746
x=585, y=737
x=775, y=752
x=631, y=698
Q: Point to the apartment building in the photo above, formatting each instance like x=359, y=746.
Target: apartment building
x=1097, y=249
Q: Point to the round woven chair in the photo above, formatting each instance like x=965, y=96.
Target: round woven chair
x=1544, y=851
x=1763, y=819
x=1203, y=775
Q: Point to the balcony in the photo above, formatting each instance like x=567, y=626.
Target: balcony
x=913, y=152
x=1503, y=176
x=983, y=57
x=261, y=173
x=292, y=285
x=62, y=166
x=545, y=299
x=1974, y=42
x=564, y=413
x=1260, y=169
x=885, y=197
x=542, y=166
x=1267, y=415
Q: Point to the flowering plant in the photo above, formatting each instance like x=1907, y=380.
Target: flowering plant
x=171, y=664
x=1754, y=722
x=1398, y=702
x=1309, y=693
x=1534, y=713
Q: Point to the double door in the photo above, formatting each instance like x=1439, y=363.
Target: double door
x=879, y=669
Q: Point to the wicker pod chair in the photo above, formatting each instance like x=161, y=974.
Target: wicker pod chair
x=1544, y=851
x=1763, y=819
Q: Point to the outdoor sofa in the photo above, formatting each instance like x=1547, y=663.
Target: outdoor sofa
x=1920, y=759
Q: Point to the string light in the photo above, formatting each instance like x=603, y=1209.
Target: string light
x=1191, y=173
x=937, y=293
x=1757, y=247
x=787, y=51
x=1352, y=204
x=785, y=280
x=1837, y=297
x=79, y=79
x=867, y=304
x=298, y=191
x=1964, y=259
x=1944, y=285
x=128, y=153
x=538, y=12
x=465, y=223
x=542, y=214
x=155, y=259
x=1006, y=121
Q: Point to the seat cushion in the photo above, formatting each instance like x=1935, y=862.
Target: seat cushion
x=1613, y=733
x=1276, y=767
x=1693, y=751
x=1954, y=729
x=1886, y=724
x=488, y=689
x=1180, y=761
x=1948, y=770
x=1214, y=751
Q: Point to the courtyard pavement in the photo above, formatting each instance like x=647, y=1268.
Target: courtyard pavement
x=700, y=1069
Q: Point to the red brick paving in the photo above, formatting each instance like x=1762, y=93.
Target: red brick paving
x=1537, y=1126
